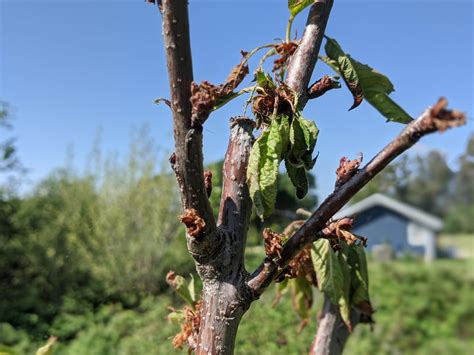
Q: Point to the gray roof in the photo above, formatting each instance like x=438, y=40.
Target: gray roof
x=410, y=212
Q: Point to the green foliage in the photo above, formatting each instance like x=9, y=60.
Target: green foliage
x=328, y=270
x=294, y=142
x=296, y=6
x=342, y=276
x=77, y=241
x=186, y=290
x=364, y=82
x=461, y=209
x=299, y=159
x=265, y=157
x=416, y=314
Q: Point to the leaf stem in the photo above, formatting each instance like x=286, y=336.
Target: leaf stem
x=288, y=29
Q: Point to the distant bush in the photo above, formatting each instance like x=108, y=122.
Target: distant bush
x=80, y=240
x=431, y=310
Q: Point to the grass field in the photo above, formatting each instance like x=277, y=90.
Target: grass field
x=461, y=244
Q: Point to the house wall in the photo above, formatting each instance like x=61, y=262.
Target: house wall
x=381, y=225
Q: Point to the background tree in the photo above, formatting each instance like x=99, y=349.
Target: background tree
x=461, y=209
x=250, y=173
x=424, y=181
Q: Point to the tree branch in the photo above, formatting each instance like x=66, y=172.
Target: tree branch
x=437, y=118
x=236, y=205
x=187, y=161
x=304, y=59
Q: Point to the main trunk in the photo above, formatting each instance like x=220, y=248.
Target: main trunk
x=222, y=311
x=226, y=295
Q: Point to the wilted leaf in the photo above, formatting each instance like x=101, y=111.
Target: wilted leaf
x=359, y=279
x=298, y=178
x=302, y=296
x=265, y=157
x=272, y=242
x=364, y=82
x=303, y=135
x=192, y=288
x=328, y=270
x=296, y=6
x=344, y=301
x=281, y=288
x=180, y=285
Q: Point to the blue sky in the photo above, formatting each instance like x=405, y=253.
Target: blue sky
x=71, y=68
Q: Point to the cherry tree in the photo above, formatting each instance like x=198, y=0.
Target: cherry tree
x=315, y=251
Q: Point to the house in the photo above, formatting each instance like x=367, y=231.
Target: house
x=405, y=228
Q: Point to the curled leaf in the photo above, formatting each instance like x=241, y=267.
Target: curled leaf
x=194, y=223
x=285, y=50
x=273, y=243
x=206, y=97
x=296, y=6
x=322, y=86
x=303, y=135
x=265, y=157
x=181, y=286
x=346, y=169
x=364, y=83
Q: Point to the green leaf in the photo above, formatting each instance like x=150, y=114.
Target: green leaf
x=359, y=279
x=265, y=157
x=303, y=135
x=264, y=79
x=328, y=270
x=298, y=178
x=296, y=6
x=180, y=285
x=344, y=301
x=281, y=288
x=176, y=317
x=302, y=296
x=192, y=288
x=364, y=82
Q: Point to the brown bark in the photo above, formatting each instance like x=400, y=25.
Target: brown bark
x=226, y=296
x=332, y=333
x=304, y=59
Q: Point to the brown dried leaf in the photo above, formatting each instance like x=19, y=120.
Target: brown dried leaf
x=273, y=243
x=194, y=223
x=341, y=230
x=285, y=50
x=322, y=86
x=190, y=328
x=205, y=96
x=271, y=100
x=236, y=76
x=301, y=265
x=347, y=168
x=443, y=118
